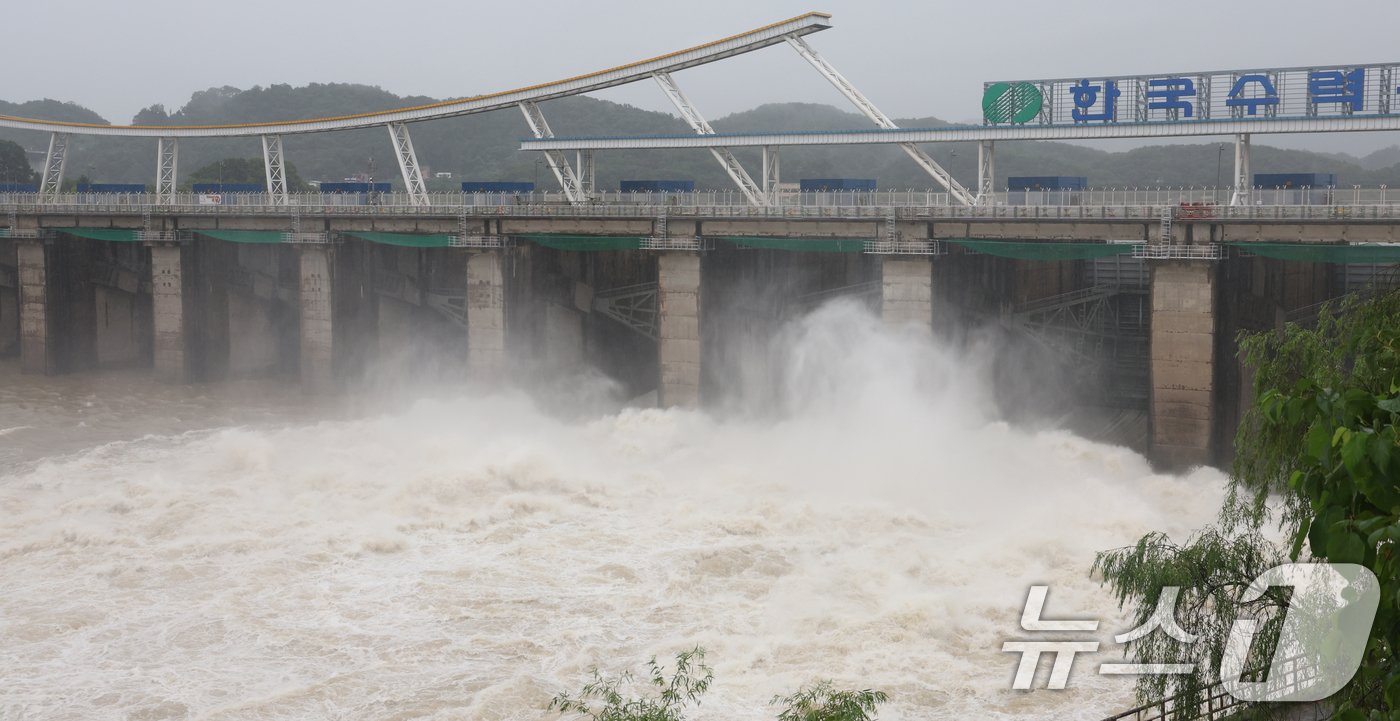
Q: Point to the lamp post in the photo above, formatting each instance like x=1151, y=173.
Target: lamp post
x=370, y=196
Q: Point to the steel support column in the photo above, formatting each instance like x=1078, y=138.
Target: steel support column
x=568, y=179
x=986, y=172
x=587, y=172
x=275, y=169
x=167, y=158
x=701, y=126
x=868, y=109
x=771, y=173
x=54, y=163
x=408, y=164
x=1244, y=179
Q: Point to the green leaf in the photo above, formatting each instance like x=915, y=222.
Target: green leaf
x=1390, y=404
x=1380, y=452
x=1317, y=537
x=1298, y=539
x=1392, y=692
x=1380, y=490
x=1343, y=546
x=1318, y=442
x=1350, y=714
x=1354, y=450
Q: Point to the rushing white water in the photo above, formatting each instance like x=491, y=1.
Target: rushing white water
x=468, y=557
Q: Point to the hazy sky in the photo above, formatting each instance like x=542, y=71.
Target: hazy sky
x=910, y=58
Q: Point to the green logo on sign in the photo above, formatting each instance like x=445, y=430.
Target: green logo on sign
x=1010, y=103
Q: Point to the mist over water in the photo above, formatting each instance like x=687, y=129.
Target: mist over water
x=865, y=519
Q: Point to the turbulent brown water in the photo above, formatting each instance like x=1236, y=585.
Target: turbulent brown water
x=231, y=552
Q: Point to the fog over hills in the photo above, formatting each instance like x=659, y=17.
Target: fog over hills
x=485, y=147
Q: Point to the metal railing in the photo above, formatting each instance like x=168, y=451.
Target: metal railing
x=1360, y=205
x=1202, y=199
x=1215, y=703
x=1158, y=251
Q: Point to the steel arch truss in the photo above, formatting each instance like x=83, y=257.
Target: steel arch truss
x=167, y=160
x=568, y=178
x=275, y=169
x=868, y=109
x=701, y=126
x=54, y=163
x=745, y=42
x=408, y=164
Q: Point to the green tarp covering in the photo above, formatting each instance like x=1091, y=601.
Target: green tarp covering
x=116, y=235
x=811, y=245
x=586, y=242
x=1329, y=253
x=408, y=240
x=1043, y=250
x=245, y=236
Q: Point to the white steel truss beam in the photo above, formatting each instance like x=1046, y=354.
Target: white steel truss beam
x=54, y=163
x=868, y=109
x=701, y=126
x=587, y=172
x=408, y=165
x=771, y=173
x=978, y=133
x=567, y=177
x=1244, y=180
x=274, y=166
x=167, y=162
x=986, y=172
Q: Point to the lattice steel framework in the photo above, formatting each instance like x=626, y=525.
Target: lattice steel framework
x=869, y=110
x=274, y=168
x=568, y=178
x=167, y=160
x=633, y=306
x=697, y=122
x=54, y=163
x=408, y=164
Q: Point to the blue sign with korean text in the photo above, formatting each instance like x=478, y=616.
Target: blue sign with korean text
x=1337, y=91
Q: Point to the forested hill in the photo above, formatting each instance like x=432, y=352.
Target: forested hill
x=484, y=147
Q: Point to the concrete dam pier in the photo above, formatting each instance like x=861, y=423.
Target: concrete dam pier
x=656, y=303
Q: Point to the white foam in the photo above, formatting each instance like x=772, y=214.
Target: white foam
x=469, y=557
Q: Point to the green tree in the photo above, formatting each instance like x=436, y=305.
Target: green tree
x=1318, y=453
x=14, y=164
x=656, y=698
x=242, y=170
x=822, y=702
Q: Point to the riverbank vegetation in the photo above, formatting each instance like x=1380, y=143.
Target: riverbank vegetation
x=662, y=695
x=1317, y=455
